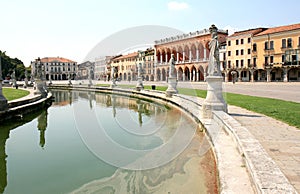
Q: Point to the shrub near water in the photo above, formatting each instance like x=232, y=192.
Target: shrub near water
x=12, y=94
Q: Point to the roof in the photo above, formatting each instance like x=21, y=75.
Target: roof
x=250, y=31
x=56, y=59
x=280, y=29
x=130, y=55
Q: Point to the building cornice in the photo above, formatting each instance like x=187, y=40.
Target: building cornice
x=186, y=36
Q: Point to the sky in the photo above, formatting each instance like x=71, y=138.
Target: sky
x=71, y=28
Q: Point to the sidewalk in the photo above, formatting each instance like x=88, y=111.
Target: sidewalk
x=280, y=141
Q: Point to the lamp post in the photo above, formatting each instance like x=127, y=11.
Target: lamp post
x=3, y=100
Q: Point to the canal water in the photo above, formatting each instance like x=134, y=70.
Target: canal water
x=90, y=142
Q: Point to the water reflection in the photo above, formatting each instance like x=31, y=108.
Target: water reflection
x=5, y=129
x=61, y=169
x=42, y=126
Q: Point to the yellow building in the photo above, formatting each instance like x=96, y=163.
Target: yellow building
x=239, y=55
x=126, y=65
x=276, y=51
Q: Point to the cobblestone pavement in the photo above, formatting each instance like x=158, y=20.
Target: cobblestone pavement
x=280, y=141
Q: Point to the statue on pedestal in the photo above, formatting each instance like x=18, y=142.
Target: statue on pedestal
x=214, y=99
x=140, y=85
x=214, y=60
x=172, y=80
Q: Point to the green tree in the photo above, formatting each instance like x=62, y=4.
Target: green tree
x=11, y=64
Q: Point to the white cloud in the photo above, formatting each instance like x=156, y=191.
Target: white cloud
x=174, y=5
x=230, y=29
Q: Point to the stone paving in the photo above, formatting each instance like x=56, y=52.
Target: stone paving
x=280, y=141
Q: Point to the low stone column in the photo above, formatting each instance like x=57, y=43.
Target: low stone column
x=269, y=75
x=285, y=74
x=252, y=75
x=226, y=76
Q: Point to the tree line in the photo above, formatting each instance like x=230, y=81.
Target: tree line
x=12, y=64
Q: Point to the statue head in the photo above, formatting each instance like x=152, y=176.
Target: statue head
x=213, y=30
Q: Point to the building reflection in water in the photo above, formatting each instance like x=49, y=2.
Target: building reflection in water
x=4, y=135
x=63, y=98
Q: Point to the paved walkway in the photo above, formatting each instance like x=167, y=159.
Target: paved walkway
x=280, y=141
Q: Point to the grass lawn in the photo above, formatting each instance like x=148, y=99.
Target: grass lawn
x=12, y=94
x=288, y=112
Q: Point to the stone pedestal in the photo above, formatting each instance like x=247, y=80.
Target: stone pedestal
x=214, y=98
x=139, y=85
x=26, y=82
x=40, y=89
x=113, y=83
x=90, y=83
x=172, y=87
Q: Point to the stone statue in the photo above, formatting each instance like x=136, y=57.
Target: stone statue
x=172, y=66
x=214, y=61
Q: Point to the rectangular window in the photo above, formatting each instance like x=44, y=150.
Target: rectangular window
x=282, y=58
x=237, y=42
x=271, y=59
x=283, y=43
x=249, y=51
x=248, y=62
x=229, y=43
x=289, y=43
x=266, y=45
x=242, y=41
x=266, y=60
x=229, y=53
x=254, y=62
x=271, y=45
x=237, y=52
x=229, y=64
x=254, y=47
x=242, y=63
x=249, y=40
x=237, y=63
x=242, y=51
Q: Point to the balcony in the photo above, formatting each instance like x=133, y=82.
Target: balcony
x=288, y=63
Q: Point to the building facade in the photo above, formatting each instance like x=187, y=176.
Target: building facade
x=190, y=51
x=240, y=56
x=101, y=70
x=126, y=66
x=276, y=51
x=56, y=68
x=147, y=59
x=85, y=69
